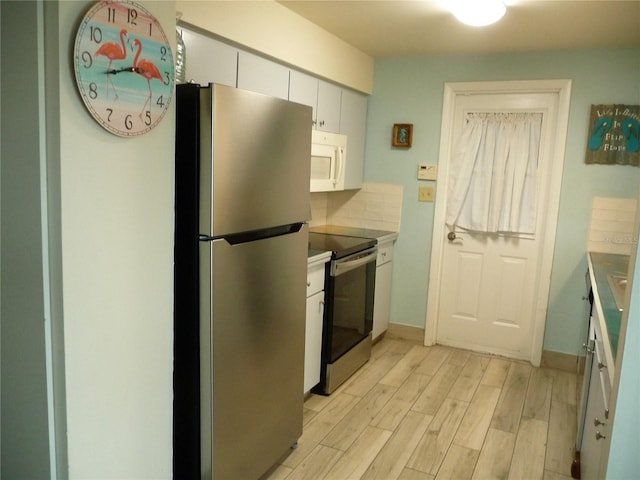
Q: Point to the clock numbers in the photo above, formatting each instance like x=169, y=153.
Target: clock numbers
x=128, y=123
x=95, y=34
x=111, y=14
x=151, y=30
x=109, y=113
x=93, y=90
x=132, y=16
x=87, y=59
x=147, y=118
x=163, y=53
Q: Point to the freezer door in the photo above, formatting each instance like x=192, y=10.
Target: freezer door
x=254, y=164
x=252, y=352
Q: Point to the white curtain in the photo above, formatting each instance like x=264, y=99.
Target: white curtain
x=493, y=178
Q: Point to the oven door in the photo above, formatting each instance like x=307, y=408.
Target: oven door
x=352, y=282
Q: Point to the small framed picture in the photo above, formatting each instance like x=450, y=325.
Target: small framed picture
x=402, y=135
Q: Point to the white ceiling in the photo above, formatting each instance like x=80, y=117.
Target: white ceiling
x=386, y=28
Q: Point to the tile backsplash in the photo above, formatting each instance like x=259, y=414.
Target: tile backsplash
x=377, y=206
x=612, y=225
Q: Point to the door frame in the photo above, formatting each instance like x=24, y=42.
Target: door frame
x=452, y=90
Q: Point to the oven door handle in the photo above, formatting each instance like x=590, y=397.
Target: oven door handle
x=345, y=265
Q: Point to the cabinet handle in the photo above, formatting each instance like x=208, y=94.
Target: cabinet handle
x=599, y=435
x=587, y=348
x=322, y=123
x=308, y=283
x=597, y=422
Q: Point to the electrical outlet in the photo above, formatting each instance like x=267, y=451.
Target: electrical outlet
x=425, y=194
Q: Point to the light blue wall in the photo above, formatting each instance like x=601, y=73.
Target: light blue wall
x=410, y=90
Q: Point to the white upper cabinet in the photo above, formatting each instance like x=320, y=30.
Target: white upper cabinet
x=323, y=97
x=329, y=105
x=335, y=109
x=263, y=76
x=353, y=124
x=304, y=89
x=208, y=60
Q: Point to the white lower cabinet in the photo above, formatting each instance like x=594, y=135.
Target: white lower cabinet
x=314, y=319
x=596, y=427
x=382, y=298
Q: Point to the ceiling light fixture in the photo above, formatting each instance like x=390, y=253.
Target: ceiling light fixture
x=477, y=13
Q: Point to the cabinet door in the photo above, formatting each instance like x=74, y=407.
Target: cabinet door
x=263, y=76
x=353, y=123
x=382, y=299
x=591, y=452
x=304, y=89
x=313, y=340
x=208, y=60
x=329, y=104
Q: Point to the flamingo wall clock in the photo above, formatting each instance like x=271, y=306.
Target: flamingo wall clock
x=124, y=67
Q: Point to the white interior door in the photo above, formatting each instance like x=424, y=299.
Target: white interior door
x=488, y=292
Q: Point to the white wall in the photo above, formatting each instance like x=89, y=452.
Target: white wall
x=273, y=30
x=117, y=250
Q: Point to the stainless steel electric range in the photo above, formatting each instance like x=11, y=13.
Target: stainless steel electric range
x=348, y=316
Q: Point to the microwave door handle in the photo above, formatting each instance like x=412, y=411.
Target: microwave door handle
x=340, y=162
x=334, y=168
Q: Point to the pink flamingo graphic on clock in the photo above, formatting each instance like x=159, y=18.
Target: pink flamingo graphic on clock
x=146, y=69
x=113, y=51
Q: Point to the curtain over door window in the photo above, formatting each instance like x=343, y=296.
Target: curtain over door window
x=493, y=179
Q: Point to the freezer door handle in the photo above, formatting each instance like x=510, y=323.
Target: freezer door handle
x=252, y=236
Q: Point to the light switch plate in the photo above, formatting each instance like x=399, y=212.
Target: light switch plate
x=425, y=194
x=427, y=171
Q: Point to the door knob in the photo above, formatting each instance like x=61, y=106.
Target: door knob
x=451, y=236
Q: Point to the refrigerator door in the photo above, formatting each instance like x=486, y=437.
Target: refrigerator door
x=252, y=352
x=254, y=167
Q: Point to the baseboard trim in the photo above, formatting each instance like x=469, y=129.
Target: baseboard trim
x=405, y=332
x=557, y=360
x=560, y=361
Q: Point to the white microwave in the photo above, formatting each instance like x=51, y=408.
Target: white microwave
x=328, y=161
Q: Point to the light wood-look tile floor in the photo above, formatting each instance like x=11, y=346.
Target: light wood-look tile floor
x=418, y=413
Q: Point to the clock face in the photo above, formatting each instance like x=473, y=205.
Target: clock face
x=124, y=67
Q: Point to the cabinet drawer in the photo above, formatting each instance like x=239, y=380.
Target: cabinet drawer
x=315, y=279
x=385, y=253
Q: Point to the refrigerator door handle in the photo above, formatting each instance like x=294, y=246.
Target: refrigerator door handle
x=252, y=236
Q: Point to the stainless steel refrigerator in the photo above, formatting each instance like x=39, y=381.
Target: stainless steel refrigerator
x=242, y=203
